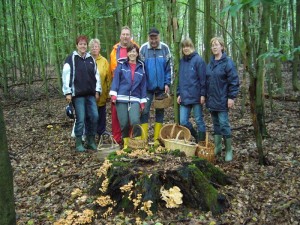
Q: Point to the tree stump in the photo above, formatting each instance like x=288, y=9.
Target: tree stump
x=138, y=182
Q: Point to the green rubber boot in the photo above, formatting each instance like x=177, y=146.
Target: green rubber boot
x=201, y=136
x=78, y=145
x=218, y=144
x=91, y=144
x=229, y=153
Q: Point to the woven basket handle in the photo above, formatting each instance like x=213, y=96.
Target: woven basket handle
x=172, y=131
x=177, y=136
x=113, y=141
x=206, y=139
x=131, y=132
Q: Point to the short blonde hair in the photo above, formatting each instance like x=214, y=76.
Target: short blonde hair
x=93, y=41
x=187, y=42
x=220, y=40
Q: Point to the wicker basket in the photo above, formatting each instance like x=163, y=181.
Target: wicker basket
x=205, y=150
x=169, y=131
x=134, y=142
x=189, y=148
x=105, y=149
x=163, y=102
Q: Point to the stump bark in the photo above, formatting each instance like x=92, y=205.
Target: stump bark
x=196, y=178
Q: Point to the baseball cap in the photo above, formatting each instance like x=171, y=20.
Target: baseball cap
x=153, y=32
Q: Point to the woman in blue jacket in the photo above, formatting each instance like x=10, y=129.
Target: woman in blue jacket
x=222, y=89
x=128, y=91
x=191, y=91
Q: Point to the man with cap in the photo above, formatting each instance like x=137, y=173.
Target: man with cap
x=157, y=58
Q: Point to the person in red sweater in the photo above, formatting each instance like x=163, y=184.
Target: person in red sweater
x=118, y=52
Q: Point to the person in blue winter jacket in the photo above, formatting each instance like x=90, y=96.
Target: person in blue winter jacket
x=222, y=90
x=158, y=65
x=82, y=87
x=128, y=92
x=191, y=90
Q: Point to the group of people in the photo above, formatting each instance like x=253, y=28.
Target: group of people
x=136, y=76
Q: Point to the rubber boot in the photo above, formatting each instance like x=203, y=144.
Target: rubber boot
x=157, y=127
x=78, y=145
x=125, y=143
x=145, y=127
x=218, y=144
x=91, y=144
x=194, y=134
x=229, y=153
x=201, y=136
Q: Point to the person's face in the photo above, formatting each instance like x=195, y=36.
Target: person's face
x=154, y=41
x=125, y=37
x=81, y=47
x=187, y=50
x=132, y=55
x=95, y=49
x=216, y=48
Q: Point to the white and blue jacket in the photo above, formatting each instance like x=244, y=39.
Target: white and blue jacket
x=80, y=76
x=158, y=66
x=126, y=89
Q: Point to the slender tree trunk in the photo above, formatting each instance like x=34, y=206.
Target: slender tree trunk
x=176, y=41
x=276, y=15
x=7, y=205
x=207, y=30
x=296, y=61
x=192, y=20
x=5, y=48
x=259, y=126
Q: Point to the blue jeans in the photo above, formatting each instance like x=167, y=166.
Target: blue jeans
x=86, y=111
x=221, y=123
x=159, y=113
x=185, y=111
x=102, y=120
x=128, y=117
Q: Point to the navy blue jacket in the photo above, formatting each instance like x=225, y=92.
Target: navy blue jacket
x=192, y=77
x=80, y=75
x=126, y=89
x=158, y=66
x=222, y=83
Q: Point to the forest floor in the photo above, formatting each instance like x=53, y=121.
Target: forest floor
x=47, y=169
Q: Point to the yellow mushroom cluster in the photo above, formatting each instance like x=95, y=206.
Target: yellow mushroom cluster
x=76, y=218
x=76, y=193
x=172, y=197
x=104, y=168
x=104, y=201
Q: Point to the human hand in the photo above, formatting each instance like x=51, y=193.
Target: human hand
x=167, y=89
x=69, y=98
x=113, y=98
x=97, y=96
x=142, y=106
x=230, y=103
x=202, y=100
x=178, y=100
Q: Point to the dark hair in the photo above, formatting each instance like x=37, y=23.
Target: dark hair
x=81, y=38
x=132, y=46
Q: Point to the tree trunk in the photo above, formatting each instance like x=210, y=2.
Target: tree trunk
x=7, y=205
x=192, y=20
x=207, y=30
x=296, y=61
x=176, y=41
x=195, y=179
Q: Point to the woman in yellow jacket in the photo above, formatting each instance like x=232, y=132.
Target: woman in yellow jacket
x=106, y=78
